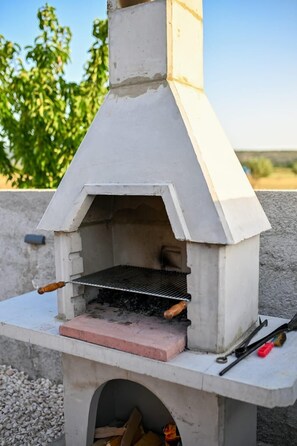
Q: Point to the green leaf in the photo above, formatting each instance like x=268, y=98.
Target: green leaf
x=43, y=117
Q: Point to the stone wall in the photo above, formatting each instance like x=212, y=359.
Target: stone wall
x=278, y=254
x=278, y=296
x=23, y=265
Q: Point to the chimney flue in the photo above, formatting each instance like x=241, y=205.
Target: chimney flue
x=156, y=40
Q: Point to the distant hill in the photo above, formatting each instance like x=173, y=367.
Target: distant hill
x=281, y=158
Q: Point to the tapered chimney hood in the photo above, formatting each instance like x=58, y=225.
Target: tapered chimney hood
x=157, y=134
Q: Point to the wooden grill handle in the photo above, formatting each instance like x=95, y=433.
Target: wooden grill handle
x=175, y=310
x=51, y=287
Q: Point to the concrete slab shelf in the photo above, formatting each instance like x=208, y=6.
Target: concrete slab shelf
x=269, y=382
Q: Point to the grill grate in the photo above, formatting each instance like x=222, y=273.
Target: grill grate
x=135, y=279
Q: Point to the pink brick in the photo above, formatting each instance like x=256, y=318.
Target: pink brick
x=141, y=335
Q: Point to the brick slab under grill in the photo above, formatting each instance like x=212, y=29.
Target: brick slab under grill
x=129, y=332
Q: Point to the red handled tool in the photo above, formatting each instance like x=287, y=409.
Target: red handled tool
x=278, y=341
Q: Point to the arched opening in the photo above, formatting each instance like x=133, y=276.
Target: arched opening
x=114, y=401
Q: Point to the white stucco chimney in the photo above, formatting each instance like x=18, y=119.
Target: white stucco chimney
x=156, y=134
x=157, y=126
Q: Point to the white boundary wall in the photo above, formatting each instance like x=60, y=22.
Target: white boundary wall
x=20, y=262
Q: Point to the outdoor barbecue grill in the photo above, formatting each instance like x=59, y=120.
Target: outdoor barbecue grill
x=156, y=170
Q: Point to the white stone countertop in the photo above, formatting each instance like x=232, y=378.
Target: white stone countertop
x=269, y=382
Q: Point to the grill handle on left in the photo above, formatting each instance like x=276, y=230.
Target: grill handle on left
x=51, y=287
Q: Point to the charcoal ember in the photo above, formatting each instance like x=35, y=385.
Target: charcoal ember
x=137, y=303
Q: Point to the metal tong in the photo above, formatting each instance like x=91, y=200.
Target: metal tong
x=244, y=345
x=290, y=326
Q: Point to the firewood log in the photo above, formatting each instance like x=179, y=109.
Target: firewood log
x=150, y=439
x=131, y=427
x=108, y=431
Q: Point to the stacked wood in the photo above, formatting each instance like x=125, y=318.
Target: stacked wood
x=131, y=427
x=150, y=439
x=109, y=431
x=114, y=441
x=133, y=434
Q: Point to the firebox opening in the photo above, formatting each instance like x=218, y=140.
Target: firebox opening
x=129, y=231
x=119, y=397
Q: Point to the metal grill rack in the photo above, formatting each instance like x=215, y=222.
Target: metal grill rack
x=169, y=284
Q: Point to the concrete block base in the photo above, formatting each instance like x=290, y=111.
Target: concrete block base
x=202, y=418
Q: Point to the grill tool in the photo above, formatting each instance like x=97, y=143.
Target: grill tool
x=290, y=326
x=242, y=347
x=278, y=341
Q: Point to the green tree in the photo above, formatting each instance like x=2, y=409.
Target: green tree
x=294, y=167
x=259, y=166
x=43, y=118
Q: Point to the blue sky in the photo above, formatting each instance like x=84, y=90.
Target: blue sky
x=250, y=60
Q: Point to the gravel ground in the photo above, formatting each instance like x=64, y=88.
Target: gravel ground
x=31, y=411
